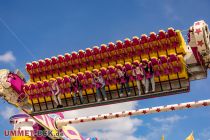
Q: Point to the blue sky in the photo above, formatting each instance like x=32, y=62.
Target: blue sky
x=30, y=30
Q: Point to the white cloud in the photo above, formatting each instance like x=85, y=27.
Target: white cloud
x=164, y=127
x=109, y=129
x=113, y=135
x=8, y=112
x=7, y=57
x=155, y=132
x=205, y=135
x=170, y=119
x=115, y=129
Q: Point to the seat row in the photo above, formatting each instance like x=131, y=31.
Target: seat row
x=146, y=47
x=165, y=68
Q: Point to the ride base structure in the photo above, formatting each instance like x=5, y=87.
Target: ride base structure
x=174, y=64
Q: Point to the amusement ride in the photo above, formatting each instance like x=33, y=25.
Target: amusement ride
x=149, y=66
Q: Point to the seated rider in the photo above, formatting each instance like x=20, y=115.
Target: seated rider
x=76, y=88
x=148, y=76
x=99, y=83
x=55, y=92
x=138, y=73
x=123, y=79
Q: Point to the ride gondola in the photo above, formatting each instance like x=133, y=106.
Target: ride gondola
x=164, y=52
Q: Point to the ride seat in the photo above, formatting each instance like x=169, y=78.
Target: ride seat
x=75, y=62
x=41, y=93
x=97, y=57
x=162, y=38
x=176, y=66
x=54, y=66
x=119, y=49
x=31, y=88
x=82, y=80
x=145, y=45
x=104, y=73
x=112, y=54
x=82, y=60
x=165, y=65
x=137, y=49
x=129, y=69
x=122, y=79
x=47, y=90
x=104, y=55
x=89, y=78
x=184, y=72
x=153, y=44
x=60, y=84
x=89, y=58
x=128, y=50
x=66, y=80
x=42, y=69
x=112, y=75
x=156, y=66
x=177, y=41
x=148, y=63
x=166, y=70
x=173, y=37
x=48, y=68
x=61, y=65
x=34, y=92
x=29, y=68
x=120, y=52
x=35, y=67
x=68, y=64
x=174, y=61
